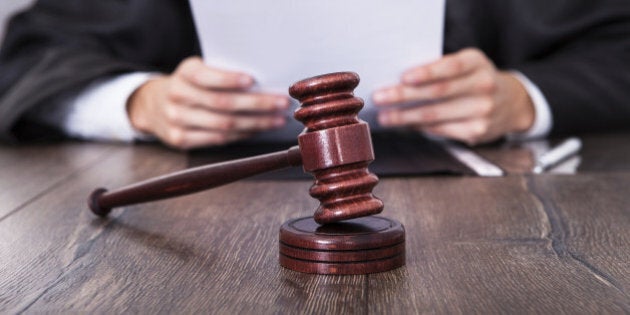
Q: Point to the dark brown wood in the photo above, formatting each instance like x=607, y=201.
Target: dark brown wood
x=191, y=180
x=343, y=268
x=216, y=254
x=342, y=256
x=358, y=246
x=29, y=171
x=516, y=244
x=487, y=245
x=355, y=234
x=336, y=147
x=49, y=238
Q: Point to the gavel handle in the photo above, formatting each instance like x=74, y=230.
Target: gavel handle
x=191, y=180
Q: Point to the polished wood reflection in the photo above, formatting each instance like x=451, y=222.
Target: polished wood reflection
x=515, y=244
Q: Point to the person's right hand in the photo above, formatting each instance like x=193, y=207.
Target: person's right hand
x=198, y=105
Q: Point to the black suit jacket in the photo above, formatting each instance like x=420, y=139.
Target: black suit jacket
x=576, y=51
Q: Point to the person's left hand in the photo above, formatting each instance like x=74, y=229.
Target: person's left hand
x=462, y=96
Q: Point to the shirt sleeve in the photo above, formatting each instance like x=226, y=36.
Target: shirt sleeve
x=543, y=121
x=98, y=112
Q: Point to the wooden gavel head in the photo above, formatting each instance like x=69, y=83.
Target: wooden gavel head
x=336, y=147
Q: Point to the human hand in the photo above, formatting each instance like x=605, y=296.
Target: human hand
x=198, y=105
x=461, y=96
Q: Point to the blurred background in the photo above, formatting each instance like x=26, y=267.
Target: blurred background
x=7, y=8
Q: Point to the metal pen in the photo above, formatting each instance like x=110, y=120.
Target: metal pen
x=558, y=154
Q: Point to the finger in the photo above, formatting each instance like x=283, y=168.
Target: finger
x=471, y=131
x=195, y=71
x=194, y=138
x=449, y=110
x=478, y=82
x=450, y=66
x=184, y=93
x=200, y=118
x=247, y=102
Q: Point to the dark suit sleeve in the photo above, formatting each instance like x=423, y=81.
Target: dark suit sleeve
x=59, y=46
x=576, y=51
x=587, y=90
x=581, y=62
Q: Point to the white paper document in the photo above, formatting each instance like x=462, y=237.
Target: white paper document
x=280, y=42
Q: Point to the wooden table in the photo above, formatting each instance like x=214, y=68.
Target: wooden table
x=515, y=244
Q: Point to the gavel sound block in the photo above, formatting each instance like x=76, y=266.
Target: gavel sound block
x=342, y=237
x=337, y=149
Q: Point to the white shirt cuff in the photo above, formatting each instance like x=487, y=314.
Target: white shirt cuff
x=543, y=120
x=99, y=112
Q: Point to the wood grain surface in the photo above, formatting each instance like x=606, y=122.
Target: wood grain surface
x=492, y=245
x=27, y=172
x=514, y=244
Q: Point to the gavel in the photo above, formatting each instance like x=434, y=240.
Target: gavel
x=335, y=147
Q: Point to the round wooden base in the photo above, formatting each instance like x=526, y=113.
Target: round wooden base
x=358, y=246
